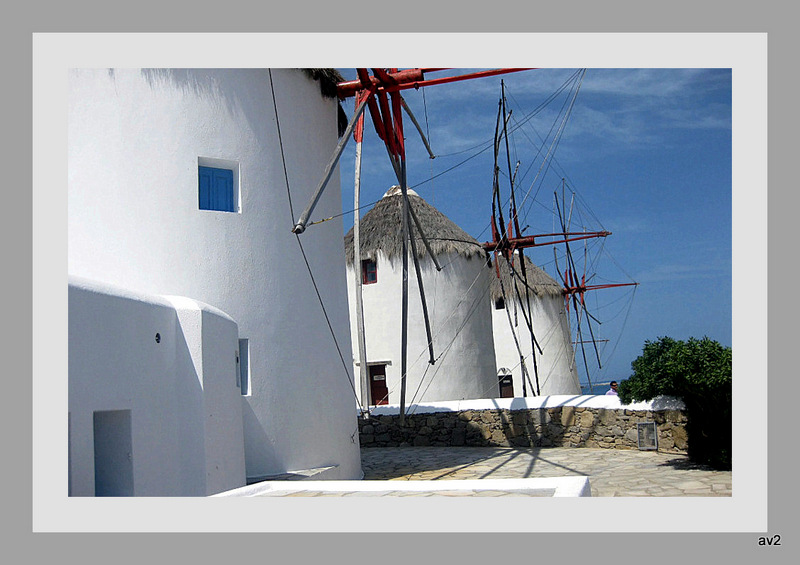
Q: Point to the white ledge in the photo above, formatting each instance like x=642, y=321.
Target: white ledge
x=527, y=403
x=577, y=486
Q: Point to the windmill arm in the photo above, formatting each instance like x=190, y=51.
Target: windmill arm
x=419, y=129
x=300, y=226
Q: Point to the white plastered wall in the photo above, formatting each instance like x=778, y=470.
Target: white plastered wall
x=169, y=362
x=557, y=374
x=457, y=300
x=135, y=140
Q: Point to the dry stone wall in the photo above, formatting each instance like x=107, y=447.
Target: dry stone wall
x=562, y=426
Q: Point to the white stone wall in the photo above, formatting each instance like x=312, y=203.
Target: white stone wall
x=458, y=304
x=169, y=362
x=136, y=138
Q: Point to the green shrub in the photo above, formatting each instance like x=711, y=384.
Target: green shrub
x=697, y=371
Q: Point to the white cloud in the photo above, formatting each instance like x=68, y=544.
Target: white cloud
x=682, y=272
x=622, y=106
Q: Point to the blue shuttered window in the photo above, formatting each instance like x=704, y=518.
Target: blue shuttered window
x=216, y=189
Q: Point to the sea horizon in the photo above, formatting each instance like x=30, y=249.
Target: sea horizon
x=596, y=388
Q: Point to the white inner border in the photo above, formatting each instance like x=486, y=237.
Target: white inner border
x=54, y=54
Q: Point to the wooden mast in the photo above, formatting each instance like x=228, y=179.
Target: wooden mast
x=358, y=134
x=371, y=92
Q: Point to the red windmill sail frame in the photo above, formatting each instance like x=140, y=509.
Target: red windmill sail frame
x=380, y=92
x=381, y=95
x=373, y=91
x=511, y=240
x=382, y=84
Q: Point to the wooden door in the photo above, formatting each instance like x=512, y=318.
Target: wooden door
x=379, y=392
x=506, y=386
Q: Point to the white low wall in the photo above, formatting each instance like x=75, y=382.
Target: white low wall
x=540, y=486
x=156, y=377
x=547, y=421
x=555, y=401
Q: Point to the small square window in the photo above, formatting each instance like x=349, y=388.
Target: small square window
x=369, y=271
x=499, y=303
x=215, y=188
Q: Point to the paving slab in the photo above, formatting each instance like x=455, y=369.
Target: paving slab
x=611, y=472
x=486, y=471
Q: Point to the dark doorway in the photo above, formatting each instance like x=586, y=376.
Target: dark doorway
x=506, y=386
x=113, y=457
x=379, y=392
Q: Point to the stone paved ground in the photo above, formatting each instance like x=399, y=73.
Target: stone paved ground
x=611, y=472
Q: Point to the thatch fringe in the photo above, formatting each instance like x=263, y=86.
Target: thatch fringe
x=382, y=229
x=328, y=79
x=539, y=282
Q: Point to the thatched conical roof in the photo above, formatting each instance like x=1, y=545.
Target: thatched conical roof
x=382, y=229
x=539, y=282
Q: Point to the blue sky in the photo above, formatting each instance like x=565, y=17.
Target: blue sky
x=647, y=155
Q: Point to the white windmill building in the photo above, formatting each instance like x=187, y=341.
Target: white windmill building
x=457, y=305
x=200, y=358
x=554, y=372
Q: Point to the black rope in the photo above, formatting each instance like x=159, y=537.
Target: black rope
x=472, y=309
x=327, y=319
x=450, y=168
x=280, y=143
x=485, y=146
x=302, y=250
x=554, y=144
x=624, y=323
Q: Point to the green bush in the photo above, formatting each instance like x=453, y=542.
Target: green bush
x=697, y=371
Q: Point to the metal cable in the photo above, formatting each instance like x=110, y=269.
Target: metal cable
x=300, y=244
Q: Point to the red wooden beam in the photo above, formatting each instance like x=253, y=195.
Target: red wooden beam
x=374, y=112
x=530, y=241
x=349, y=88
x=582, y=289
x=358, y=132
x=410, y=78
x=480, y=74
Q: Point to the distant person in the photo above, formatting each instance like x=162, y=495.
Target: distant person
x=613, y=390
